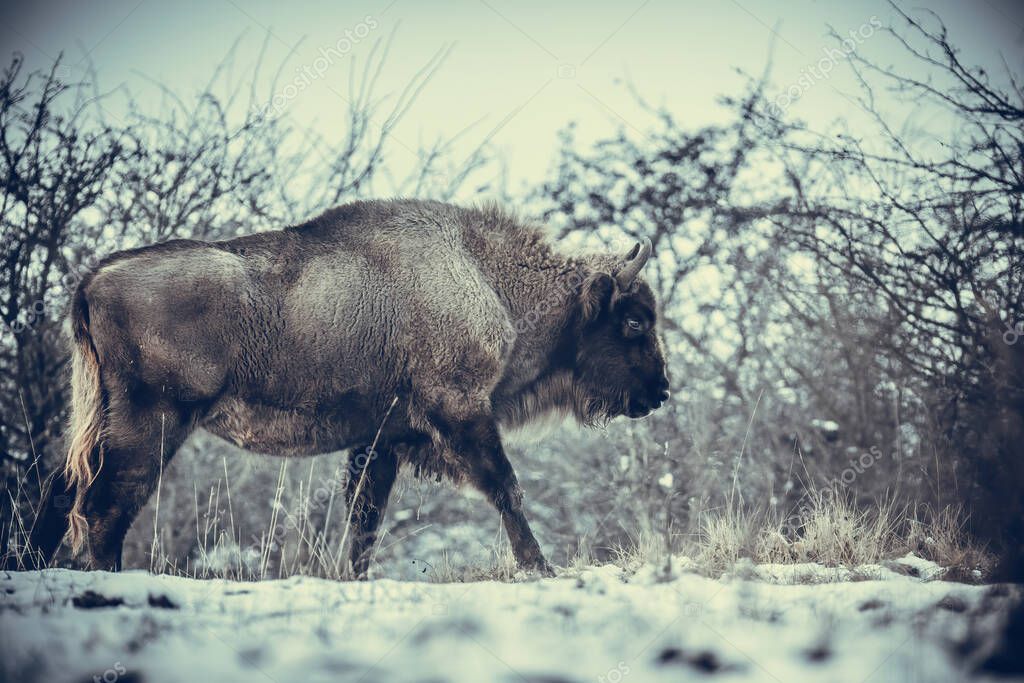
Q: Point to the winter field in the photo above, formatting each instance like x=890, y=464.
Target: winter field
x=897, y=622
x=825, y=200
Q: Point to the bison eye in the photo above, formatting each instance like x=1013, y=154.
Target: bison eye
x=634, y=325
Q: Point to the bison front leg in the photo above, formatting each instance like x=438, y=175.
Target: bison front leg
x=478, y=446
x=371, y=475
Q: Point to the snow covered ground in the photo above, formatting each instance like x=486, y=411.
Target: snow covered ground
x=769, y=623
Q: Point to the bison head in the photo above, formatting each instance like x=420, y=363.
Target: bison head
x=620, y=366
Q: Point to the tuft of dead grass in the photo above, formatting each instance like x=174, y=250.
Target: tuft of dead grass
x=724, y=538
x=942, y=538
x=835, y=532
x=828, y=530
x=502, y=567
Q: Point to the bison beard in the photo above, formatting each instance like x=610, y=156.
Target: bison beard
x=304, y=340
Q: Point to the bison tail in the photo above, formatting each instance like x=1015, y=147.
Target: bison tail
x=85, y=449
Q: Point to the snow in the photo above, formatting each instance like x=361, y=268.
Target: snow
x=811, y=573
x=826, y=426
x=769, y=622
x=919, y=567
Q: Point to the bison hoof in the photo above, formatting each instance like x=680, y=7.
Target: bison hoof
x=539, y=567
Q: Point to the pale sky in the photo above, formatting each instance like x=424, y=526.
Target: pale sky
x=519, y=71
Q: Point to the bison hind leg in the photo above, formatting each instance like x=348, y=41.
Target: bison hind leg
x=138, y=445
x=49, y=527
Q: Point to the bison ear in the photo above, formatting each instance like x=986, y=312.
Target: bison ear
x=596, y=296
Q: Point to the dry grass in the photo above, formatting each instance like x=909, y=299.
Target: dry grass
x=643, y=547
x=725, y=537
x=502, y=567
x=830, y=530
x=290, y=544
x=941, y=538
x=835, y=532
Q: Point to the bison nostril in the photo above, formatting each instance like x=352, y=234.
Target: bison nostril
x=665, y=395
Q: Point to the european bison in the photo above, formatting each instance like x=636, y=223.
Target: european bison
x=300, y=341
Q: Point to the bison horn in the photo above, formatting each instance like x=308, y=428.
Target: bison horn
x=635, y=261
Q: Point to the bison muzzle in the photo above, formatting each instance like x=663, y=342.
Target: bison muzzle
x=417, y=325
